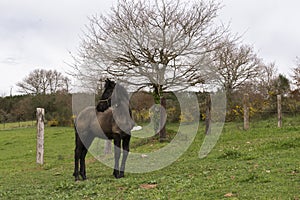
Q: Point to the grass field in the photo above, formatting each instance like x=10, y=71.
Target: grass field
x=262, y=163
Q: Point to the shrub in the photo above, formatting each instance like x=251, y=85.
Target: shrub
x=53, y=122
x=141, y=116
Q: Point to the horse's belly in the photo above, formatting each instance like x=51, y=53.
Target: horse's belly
x=100, y=132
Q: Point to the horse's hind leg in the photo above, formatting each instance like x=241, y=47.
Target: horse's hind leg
x=77, y=153
x=125, y=146
x=82, y=163
x=76, y=157
x=117, y=151
x=87, y=143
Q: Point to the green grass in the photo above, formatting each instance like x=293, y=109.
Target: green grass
x=261, y=163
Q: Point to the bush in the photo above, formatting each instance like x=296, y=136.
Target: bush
x=141, y=116
x=53, y=122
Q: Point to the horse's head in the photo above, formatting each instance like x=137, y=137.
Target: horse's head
x=105, y=101
x=109, y=85
x=121, y=109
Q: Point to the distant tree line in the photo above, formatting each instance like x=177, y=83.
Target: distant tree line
x=262, y=90
x=23, y=108
x=47, y=89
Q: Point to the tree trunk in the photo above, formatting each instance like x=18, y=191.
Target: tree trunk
x=160, y=115
x=162, y=121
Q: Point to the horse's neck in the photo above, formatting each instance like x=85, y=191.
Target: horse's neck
x=105, y=101
x=105, y=114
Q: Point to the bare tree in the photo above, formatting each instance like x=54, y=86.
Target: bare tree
x=41, y=81
x=160, y=44
x=296, y=74
x=234, y=64
x=267, y=77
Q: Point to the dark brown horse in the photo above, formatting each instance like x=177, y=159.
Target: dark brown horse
x=114, y=123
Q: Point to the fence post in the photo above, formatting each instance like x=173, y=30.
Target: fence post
x=208, y=115
x=107, y=147
x=279, y=110
x=246, y=111
x=40, y=112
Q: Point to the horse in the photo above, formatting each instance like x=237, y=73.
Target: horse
x=113, y=123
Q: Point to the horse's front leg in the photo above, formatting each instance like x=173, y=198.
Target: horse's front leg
x=125, y=146
x=117, y=151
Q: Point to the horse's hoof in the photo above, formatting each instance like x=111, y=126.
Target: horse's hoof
x=76, y=177
x=116, y=174
x=121, y=175
x=83, y=176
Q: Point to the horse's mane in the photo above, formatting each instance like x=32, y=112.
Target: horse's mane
x=121, y=92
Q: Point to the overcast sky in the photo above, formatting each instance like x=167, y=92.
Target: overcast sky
x=37, y=34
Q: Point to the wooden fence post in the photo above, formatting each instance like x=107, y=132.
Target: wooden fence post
x=40, y=112
x=246, y=111
x=279, y=109
x=107, y=147
x=208, y=115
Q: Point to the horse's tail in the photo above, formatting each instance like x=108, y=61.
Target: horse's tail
x=76, y=131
